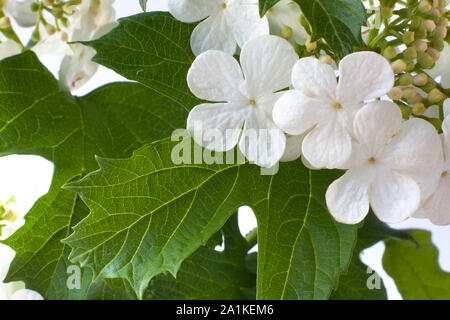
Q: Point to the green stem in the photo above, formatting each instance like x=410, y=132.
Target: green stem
x=252, y=238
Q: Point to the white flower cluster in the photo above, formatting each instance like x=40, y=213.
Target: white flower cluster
x=397, y=167
x=88, y=20
x=9, y=223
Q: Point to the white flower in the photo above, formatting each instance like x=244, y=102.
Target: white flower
x=228, y=23
x=76, y=69
x=390, y=167
x=12, y=290
x=319, y=103
x=285, y=15
x=442, y=67
x=447, y=107
x=293, y=149
x=21, y=12
x=245, y=98
x=437, y=207
x=9, y=48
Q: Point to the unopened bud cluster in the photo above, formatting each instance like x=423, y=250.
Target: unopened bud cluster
x=420, y=30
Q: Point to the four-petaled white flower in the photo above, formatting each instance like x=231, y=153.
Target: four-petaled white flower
x=391, y=166
x=229, y=23
x=437, y=207
x=326, y=108
x=245, y=98
x=12, y=290
x=284, y=20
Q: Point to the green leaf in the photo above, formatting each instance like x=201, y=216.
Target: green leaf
x=111, y=289
x=209, y=274
x=152, y=48
x=339, y=22
x=146, y=206
x=143, y=4
x=416, y=271
x=265, y=5
x=37, y=117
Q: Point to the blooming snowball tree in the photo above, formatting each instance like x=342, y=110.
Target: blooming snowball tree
x=330, y=120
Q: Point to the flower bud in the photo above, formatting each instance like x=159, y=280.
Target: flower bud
x=440, y=32
x=435, y=96
x=387, y=12
x=36, y=36
x=410, y=53
x=435, y=54
x=429, y=25
x=424, y=6
x=405, y=80
x=51, y=30
x=326, y=59
x=389, y=53
x=420, y=79
x=58, y=12
x=418, y=108
x=420, y=33
x=443, y=21
x=310, y=46
x=34, y=7
x=10, y=216
x=5, y=22
x=443, y=3
x=429, y=86
x=408, y=37
x=425, y=61
x=64, y=36
x=438, y=44
x=48, y=3
x=434, y=12
x=399, y=66
x=420, y=46
x=416, y=22
x=287, y=32
x=396, y=93
x=409, y=93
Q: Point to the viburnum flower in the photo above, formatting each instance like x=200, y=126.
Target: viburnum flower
x=12, y=290
x=21, y=12
x=284, y=20
x=76, y=69
x=9, y=48
x=391, y=164
x=228, y=23
x=442, y=67
x=245, y=98
x=437, y=207
x=326, y=109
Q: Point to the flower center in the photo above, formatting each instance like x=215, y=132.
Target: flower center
x=372, y=160
x=337, y=105
x=444, y=174
x=252, y=102
x=224, y=5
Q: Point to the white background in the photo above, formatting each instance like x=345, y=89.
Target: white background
x=29, y=177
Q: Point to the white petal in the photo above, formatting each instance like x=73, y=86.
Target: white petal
x=446, y=139
x=245, y=22
x=447, y=107
x=222, y=121
x=328, y=145
x=347, y=197
x=9, y=48
x=213, y=33
x=267, y=63
x=192, y=10
x=416, y=152
x=376, y=123
x=262, y=142
x=26, y=294
x=20, y=10
x=364, y=75
x=393, y=197
x=77, y=69
x=437, y=207
x=286, y=13
x=293, y=149
x=7, y=290
x=6, y=257
x=215, y=76
x=296, y=113
x=314, y=78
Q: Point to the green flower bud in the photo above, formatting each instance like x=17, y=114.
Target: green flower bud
x=408, y=37
x=58, y=12
x=410, y=66
x=48, y=3
x=405, y=80
x=420, y=33
x=438, y=44
x=310, y=46
x=443, y=21
x=389, y=53
x=410, y=53
x=51, y=30
x=443, y=3
x=435, y=96
x=35, y=36
x=416, y=22
x=409, y=93
x=424, y=6
x=425, y=61
x=387, y=12
x=435, y=54
x=429, y=86
x=5, y=23
x=399, y=66
x=440, y=32
x=34, y=7
x=287, y=32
